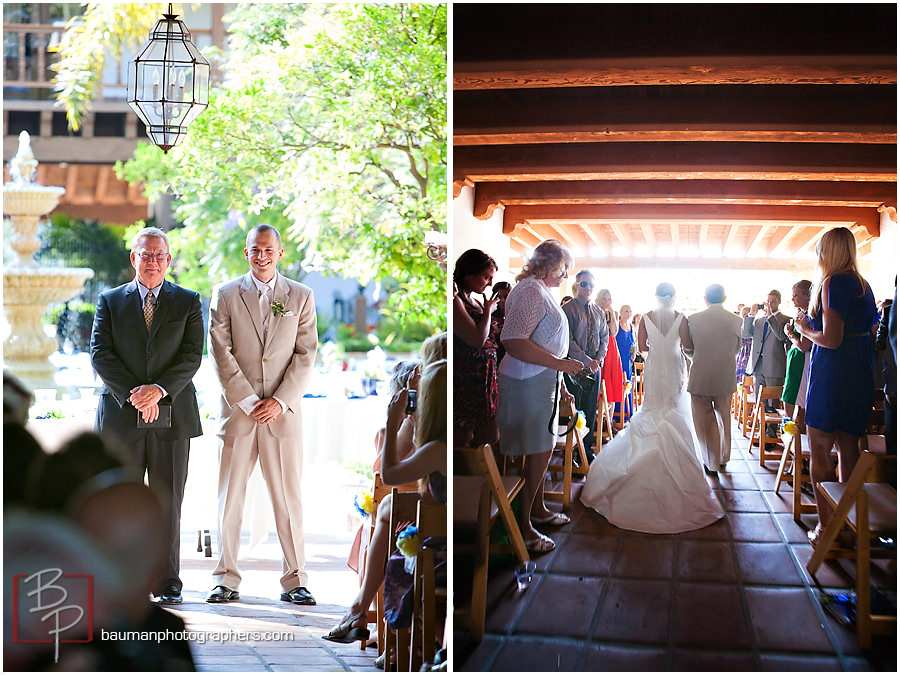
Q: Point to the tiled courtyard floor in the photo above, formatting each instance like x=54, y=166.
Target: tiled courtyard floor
x=734, y=596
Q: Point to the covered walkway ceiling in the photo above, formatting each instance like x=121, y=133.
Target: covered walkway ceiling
x=677, y=135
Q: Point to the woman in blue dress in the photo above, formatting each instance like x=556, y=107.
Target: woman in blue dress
x=839, y=400
x=627, y=345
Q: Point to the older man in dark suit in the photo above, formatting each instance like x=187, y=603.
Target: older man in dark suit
x=146, y=345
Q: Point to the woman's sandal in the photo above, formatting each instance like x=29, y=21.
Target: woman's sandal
x=555, y=518
x=345, y=632
x=541, y=544
x=844, y=538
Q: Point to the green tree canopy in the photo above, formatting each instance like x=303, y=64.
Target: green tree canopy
x=331, y=125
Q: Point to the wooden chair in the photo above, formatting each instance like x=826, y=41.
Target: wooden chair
x=603, y=420
x=748, y=403
x=869, y=509
x=623, y=415
x=429, y=600
x=638, y=383
x=760, y=419
x=480, y=496
x=404, y=507
x=376, y=614
x=563, y=459
x=790, y=470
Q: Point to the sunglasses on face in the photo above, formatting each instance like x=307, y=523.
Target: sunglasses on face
x=586, y=284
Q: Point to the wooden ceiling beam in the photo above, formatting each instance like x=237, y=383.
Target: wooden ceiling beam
x=694, y=70
x=623, y=236
x=702, y=213
x=624, y=161
x=490, y=196
x=649, y=235
x=598, y=237
x=782, y=245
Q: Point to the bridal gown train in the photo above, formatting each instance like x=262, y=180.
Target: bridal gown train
x=649, y=477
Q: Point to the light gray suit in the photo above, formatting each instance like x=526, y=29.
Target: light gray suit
x=276, y=363
x=768, y=362
x=716, y=334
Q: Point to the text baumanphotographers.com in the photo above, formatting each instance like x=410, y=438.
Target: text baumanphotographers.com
x=200, y=637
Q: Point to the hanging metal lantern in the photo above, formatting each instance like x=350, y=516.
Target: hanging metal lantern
x=168, y=82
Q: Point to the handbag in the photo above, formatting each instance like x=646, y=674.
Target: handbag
x=571, y=421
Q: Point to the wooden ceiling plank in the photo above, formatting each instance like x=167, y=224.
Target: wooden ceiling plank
x=756, y=70
x=730, y=237
x=623, y=237
x=782, y=245
x=676, y=239
x=649, y=235
x=758, y=237
x=813, y=240
x=565, y=234
x=760, y=192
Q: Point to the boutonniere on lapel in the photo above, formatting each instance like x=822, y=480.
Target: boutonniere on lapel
x=279, y=310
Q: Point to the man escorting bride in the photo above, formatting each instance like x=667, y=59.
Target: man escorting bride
x=649, y=478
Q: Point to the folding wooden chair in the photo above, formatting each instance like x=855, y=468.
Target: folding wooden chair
x=638, y=383
x=563, y=459
x=760, y=419
x=404, y=508
x=603, y=420
x=623, y=414
x=429, y=600
x=790, y=470
x=748, y=403
x=480, y=496
x=869, y=509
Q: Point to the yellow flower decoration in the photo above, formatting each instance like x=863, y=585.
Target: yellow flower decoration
x=408, y=542
x=364, y=503
x=579, y=421
x=790, y=428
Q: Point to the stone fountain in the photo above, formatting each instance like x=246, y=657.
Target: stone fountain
x=27, y=288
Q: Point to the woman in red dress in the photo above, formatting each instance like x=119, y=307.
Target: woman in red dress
x=611, y=370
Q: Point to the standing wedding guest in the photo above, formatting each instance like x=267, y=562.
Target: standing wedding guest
x=635, y=322
x=626, y=343
x=841, y=380
x=794, y=392
x=262, y=336
x=743, y=356
x=716, y=336
x=768, y=356
x=146, y=345
x=889, y=375
x=536, y=337
x=474, y=350
x=588, y=339
x=501, y=289
x=611, y=371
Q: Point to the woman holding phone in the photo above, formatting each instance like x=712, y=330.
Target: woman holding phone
x=475, y=338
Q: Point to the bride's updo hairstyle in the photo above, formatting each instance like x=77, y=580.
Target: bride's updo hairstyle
x=665, y=293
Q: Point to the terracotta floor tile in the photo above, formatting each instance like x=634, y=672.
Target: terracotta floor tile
x=737, y=481
x=745, y=501
x=799, y=663
x=561, y=606
x=582, y=554
x=711, y=616
x=706, y=561
x=784, y=620
x=793, y=532
x=471, y=656
x=737, y=465
x=505, y=603
x=634, y=611
x=753, y=527
x=827, y=574
x=717, y=531
x=536, y=655
x=766, y=564
x=780, y=503
x=766, y=481
x=612, y=658
x=590, y=522
x=712, y=662
x=645, y=557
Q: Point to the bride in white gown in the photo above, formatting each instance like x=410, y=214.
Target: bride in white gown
x=649, y=478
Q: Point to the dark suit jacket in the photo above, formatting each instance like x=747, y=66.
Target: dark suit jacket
x=125, y=356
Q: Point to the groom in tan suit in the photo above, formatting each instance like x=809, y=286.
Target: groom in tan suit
x=716, y=334
x=262, y=337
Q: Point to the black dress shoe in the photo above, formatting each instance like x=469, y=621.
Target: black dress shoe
x=710, y=472
x=222, y=594
x=299, y=596
x=170, y=596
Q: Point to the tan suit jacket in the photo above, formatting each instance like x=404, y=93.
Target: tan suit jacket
x=279, y=365
x=716, y=334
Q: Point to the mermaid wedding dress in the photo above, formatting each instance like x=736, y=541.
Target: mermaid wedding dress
x=649, y=478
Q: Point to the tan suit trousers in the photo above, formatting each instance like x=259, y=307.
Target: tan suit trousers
x=281, y=464
x=712, y=420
